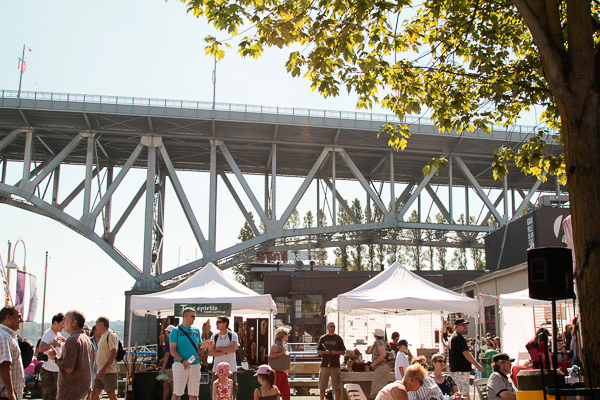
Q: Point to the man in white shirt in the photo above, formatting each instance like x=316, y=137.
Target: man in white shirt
x=223, y=350
x=401, y=360
x=106, y=379
x=49, y=374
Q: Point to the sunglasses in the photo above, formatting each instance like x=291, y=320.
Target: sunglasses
x=418, y=380
x=440, y=361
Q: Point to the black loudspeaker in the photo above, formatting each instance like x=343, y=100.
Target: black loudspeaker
x=550, y=273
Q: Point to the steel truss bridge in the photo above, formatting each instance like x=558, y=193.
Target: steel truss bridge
x=44, y=131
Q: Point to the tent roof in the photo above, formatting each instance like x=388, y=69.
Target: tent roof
x=397, y=290
x=520, y=298
x=208, y=285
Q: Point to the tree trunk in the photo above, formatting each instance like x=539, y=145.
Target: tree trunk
x=581, y=130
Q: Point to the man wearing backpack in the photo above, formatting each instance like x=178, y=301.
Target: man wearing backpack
x=223, y=349
x=52, y=338
x=108, y=345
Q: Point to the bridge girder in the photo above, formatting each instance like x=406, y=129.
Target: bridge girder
x=120, y=141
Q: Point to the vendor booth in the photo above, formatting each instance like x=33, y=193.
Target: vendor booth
x=210, y=287
x=518, y=319
x=395, y=300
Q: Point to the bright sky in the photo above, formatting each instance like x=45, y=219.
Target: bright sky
x=136, y=48
x=126, y=48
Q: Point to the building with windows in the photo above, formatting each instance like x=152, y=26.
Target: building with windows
x=301, y=292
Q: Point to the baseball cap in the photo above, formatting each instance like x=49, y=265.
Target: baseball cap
x=502, y=356
x=169, y=328
x=263, y=370
x=403, y=342
x=461, y=321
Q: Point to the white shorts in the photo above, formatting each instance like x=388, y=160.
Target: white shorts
x=182, y=377
x=462, y=381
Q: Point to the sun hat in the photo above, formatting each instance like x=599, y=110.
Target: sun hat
x=223, y=369
x=379, y=332
x=263, y=370
x=169, y=328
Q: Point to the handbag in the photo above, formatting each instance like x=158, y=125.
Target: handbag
x=281, y=363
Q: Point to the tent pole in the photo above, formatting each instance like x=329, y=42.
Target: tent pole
x=129, y=349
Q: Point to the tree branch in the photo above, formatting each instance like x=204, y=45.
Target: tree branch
x=550, y=56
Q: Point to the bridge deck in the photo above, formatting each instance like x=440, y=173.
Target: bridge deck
x=187, y=127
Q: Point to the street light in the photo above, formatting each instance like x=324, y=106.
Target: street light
x=13, y=265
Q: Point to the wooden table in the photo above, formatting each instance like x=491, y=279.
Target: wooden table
x=364, y=379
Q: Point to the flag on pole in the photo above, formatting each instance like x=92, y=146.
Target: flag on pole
x=20, y=290
x=24, y=65
x=33, y=299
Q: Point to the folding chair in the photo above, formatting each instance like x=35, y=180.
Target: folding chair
x=354, y=391
x=481, y=386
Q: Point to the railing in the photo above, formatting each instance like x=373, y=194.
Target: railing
x=231, y=107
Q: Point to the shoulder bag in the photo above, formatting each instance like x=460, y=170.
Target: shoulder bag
x=191, y=341
x=281, y=363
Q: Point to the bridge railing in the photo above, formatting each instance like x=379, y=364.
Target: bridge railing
x=232, y=107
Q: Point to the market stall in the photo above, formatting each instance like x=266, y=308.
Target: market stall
x=209, y=287
x=517, y=319
x=396, y=299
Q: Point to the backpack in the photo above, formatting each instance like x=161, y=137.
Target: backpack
x=216, y=337
x=27, y=351
x=120, y=350
x=390, y=355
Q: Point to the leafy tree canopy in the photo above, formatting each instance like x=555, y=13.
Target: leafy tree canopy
x=472, y=63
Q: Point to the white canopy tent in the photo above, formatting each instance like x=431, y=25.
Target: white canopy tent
x=400, y=300
x=208, y=285
x=397, y=290
x=516, y=320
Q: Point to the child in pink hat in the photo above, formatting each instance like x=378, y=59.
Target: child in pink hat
x=222, y=387
x=267, y=390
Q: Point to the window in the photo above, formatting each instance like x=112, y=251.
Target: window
x=308, y=306
x=490, y=319
x=284, y=309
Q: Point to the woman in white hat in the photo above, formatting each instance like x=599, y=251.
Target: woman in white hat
x=380, y=366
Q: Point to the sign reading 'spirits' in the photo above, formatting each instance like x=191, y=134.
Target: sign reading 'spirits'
x=205, y=309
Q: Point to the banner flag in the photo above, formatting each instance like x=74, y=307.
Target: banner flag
x=24, y=65
x=33, y=300
x=20, y=290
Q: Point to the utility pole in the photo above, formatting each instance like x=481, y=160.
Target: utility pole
x=21, y=77
x=44, y=299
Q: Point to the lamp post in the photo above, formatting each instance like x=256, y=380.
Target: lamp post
x=13, y=265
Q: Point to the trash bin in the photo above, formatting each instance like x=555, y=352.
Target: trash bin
x=146, y=386
x=573, y=391
x=486, y=363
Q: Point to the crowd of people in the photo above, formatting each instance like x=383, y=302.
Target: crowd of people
x=74, y=363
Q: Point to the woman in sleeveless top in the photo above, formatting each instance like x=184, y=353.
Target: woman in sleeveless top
x=267, y=389
x=278, y=350
x=444, y=381
x=398, y=390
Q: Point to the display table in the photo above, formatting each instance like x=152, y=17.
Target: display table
x=515, y=370
x=364, y=379
x=246, y=380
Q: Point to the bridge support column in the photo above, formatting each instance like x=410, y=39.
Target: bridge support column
x=143, y=328
x=152, y=246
